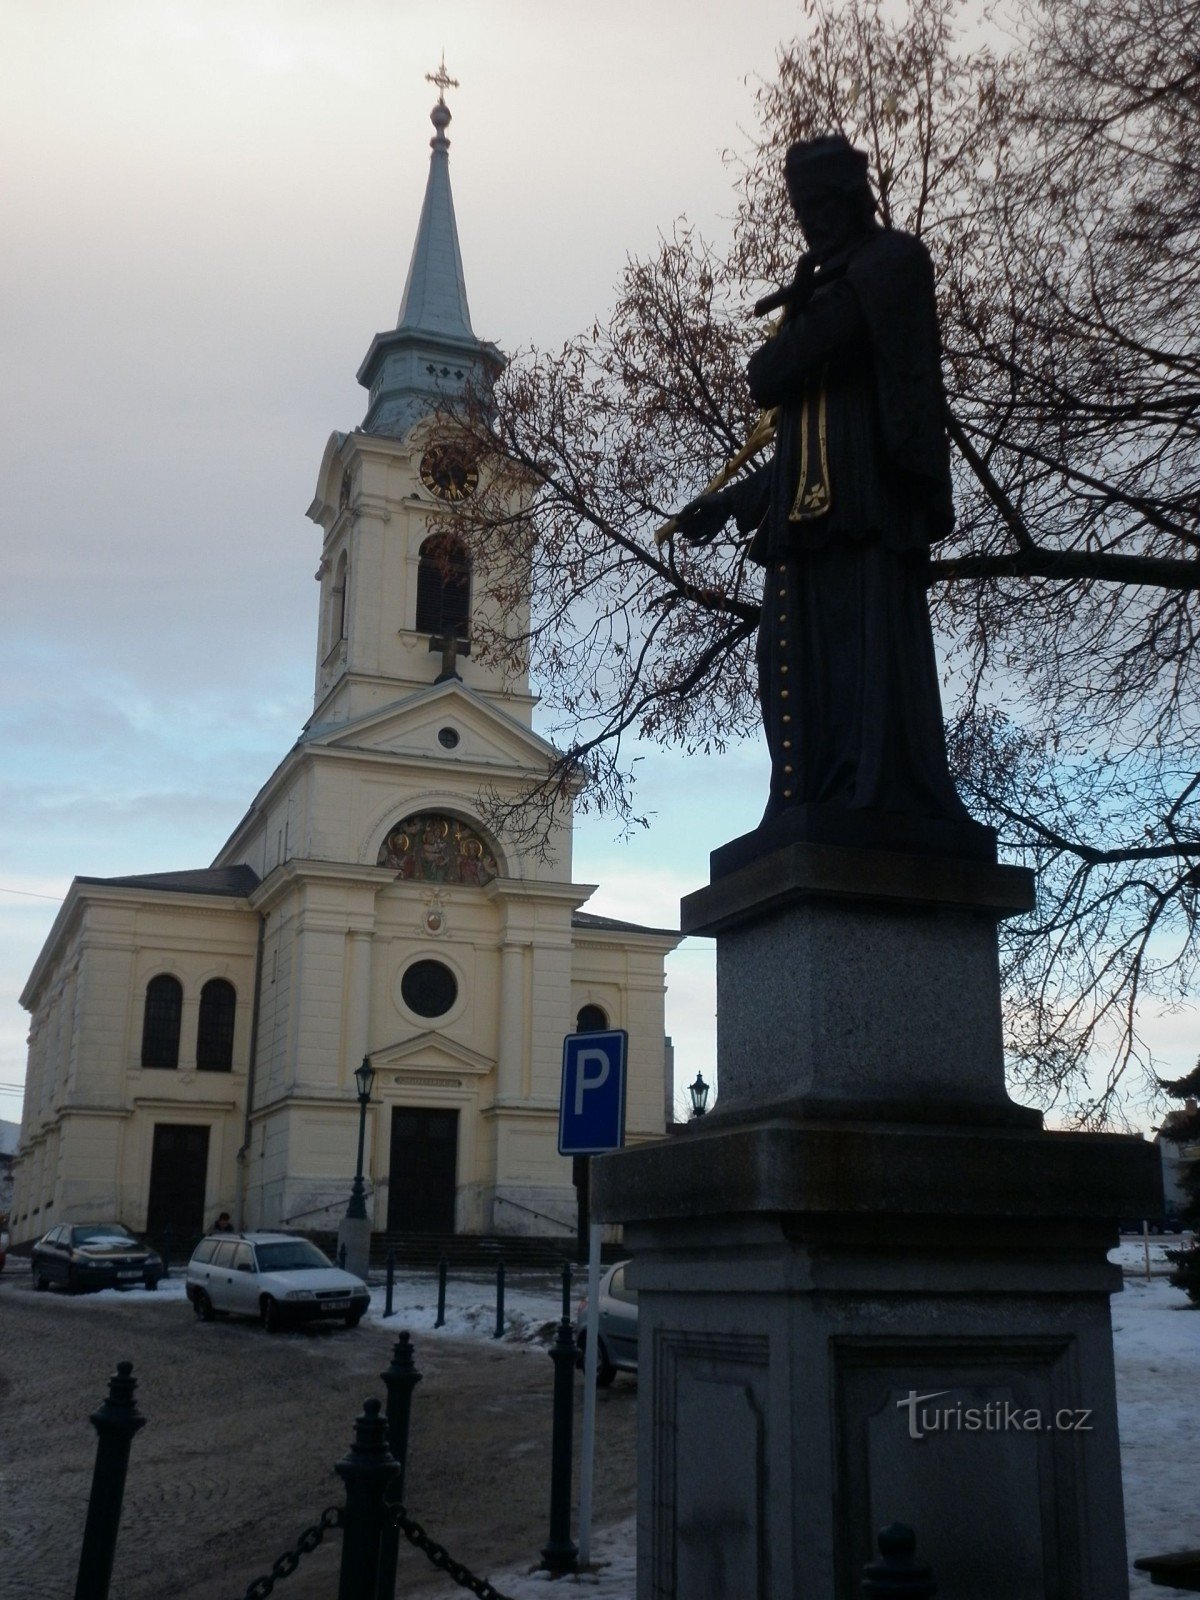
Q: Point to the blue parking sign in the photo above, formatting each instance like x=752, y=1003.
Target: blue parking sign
x=591, y=1113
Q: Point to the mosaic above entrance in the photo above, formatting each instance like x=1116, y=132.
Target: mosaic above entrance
x=429, y=848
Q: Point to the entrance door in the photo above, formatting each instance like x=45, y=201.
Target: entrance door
x=422, y=1172
x=178, y=1170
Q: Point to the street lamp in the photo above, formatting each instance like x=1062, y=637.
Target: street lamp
x=364, y=1077
x=698, y=1092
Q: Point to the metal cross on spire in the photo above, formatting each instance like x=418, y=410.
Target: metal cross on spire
x=442, y=78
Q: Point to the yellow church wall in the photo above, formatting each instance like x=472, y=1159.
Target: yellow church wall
x=91, y=1107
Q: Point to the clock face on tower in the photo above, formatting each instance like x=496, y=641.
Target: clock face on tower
x=448, y=472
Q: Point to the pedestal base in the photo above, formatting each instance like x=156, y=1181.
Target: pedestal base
x=847, y=1325
x=354, y=1233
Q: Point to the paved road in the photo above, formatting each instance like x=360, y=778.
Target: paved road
x=243, y=1429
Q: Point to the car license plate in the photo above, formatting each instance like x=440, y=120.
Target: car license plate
x=130, y=1272
x=337, y=1305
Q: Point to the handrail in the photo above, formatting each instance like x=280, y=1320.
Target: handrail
x=557, y=1221
x=296, y=1215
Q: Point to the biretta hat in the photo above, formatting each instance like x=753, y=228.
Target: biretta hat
x=830, y=162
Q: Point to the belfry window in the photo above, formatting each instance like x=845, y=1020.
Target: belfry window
x=214, y=1034
x=444, y=588
x=160, y=1022
x=338, y=607
x=591, y=1020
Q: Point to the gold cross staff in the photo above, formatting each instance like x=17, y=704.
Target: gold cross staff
x=442, y=78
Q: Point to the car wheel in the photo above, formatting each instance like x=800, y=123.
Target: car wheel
x=605, y=1371
x=150, y=1283
x=353, y=1319
x=202, y=1306
x=272, y=1321
x=40, y=1281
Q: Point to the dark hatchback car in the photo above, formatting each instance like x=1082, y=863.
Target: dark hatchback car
x=94, y=1255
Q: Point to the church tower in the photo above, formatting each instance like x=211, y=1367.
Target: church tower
x=396, y=597
x=195, y=1034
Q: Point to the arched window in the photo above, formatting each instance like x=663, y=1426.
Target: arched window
x=214, y=1034
x=160, y=1021
x=591, y=1020
x=340, y=586
x=444, y=588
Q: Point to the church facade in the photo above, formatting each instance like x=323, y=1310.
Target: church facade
x=194, y=1034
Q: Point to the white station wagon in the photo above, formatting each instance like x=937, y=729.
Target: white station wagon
x=272, y=1276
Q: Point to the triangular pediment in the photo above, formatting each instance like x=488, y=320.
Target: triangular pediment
x=414, y=727
x=431, y=1052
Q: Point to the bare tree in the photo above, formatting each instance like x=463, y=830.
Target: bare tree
x=1051, y=173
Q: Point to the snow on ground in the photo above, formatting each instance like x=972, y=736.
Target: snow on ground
x=1156, y=1337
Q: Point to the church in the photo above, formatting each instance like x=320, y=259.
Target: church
x=195, y=1034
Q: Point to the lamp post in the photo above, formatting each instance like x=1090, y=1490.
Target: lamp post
x=354, y=1235
x=364, y=1077
x=698, y=1093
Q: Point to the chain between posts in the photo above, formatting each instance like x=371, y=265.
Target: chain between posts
x=290, y=1559
x=439, y=1556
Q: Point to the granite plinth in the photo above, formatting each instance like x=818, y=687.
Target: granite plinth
x=842, y=1326
x=791, y=1166
x=860, y=830
x=861, y=982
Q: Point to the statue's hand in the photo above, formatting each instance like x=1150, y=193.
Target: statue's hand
x=702, y=519
x=802, y=286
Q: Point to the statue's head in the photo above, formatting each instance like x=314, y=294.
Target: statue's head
x=827, y=184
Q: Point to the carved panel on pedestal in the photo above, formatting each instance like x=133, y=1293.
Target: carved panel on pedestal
x=710, y=1458
x=920, y=1420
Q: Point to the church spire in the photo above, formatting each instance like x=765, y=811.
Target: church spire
x=435, y=293
x=433, y=355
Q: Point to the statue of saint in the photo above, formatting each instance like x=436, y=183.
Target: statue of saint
x=843, y=514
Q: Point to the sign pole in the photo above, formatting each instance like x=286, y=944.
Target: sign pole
x=591, y=1120
x=591, y=1354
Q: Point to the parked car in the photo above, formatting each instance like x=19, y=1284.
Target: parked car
x=93, y=1255
x=273, y=1276
x=617, y=1350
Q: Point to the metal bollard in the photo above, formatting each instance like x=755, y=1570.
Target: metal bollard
x=400, y=1379
x=499, y=1333
x=341, y=1257
x=566, y=1291
x=896, y=1574
x=560, y=1553
x=367, y=1471
x=167, y=1242
x=391, y=1284
x=441, y=1314
x=116, y=1422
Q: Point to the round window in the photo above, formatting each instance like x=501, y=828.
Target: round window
x=429, y=988
x=448, y=737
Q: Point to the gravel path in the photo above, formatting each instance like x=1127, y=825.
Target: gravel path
x=242, y=1433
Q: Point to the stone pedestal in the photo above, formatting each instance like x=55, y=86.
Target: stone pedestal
x=354, y=1233
x=872, y=1290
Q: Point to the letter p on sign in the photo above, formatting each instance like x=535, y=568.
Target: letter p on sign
x=591, y=1113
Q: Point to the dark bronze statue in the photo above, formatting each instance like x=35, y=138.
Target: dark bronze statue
x=843, y=514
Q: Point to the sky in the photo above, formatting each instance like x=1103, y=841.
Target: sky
x=207, y=212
